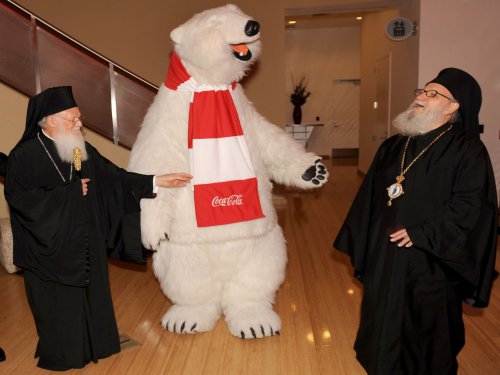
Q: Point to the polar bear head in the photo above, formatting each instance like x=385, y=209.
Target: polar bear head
x=217, y=46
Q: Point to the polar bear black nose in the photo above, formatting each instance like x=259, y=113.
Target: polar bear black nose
x=252, y=28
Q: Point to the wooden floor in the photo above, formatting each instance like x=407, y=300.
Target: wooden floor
x=318, y=303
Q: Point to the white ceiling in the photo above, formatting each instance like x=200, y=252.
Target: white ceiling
x=324, y=20
x=341, y=14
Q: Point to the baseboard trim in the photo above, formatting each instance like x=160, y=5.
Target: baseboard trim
x=345, y=152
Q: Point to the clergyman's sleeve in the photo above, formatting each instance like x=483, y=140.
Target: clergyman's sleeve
x=462, y=235
x=353, y=236
x=3, y=164
x=122, y=196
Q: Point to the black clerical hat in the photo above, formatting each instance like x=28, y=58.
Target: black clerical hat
x=48, y=102
x=467, y=92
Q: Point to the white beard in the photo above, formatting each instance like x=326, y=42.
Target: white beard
x=410, y=123
x=66, y=142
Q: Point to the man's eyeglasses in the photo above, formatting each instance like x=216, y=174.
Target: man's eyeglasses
x=431, y=94
x=73, y=120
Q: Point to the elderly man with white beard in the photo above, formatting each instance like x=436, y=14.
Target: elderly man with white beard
x=421, y=232
x=69, y=206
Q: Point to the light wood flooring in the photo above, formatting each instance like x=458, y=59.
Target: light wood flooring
x=318, y=303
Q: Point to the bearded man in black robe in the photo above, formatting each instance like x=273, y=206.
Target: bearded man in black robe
x=421, y=232
x=67, y=203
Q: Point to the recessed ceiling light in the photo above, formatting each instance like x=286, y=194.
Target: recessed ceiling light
x=291, y=22
x=359, y=18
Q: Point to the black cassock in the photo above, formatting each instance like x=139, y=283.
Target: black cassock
x=411, y=312
x=61, y=240
x=3, y=164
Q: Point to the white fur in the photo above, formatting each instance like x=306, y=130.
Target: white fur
x=232, y=269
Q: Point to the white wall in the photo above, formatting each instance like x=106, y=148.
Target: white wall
x=466, y=34
x=322, y=56
x=374, y=46
x=405, y=62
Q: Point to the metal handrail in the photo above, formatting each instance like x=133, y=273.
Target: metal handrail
x=126, y=95
x=90, y=50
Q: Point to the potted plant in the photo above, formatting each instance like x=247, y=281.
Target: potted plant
x=298, y=98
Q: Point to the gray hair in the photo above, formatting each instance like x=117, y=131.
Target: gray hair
x=43, y=122
x=455, y=116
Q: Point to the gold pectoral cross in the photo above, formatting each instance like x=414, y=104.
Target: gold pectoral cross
x=77, y=159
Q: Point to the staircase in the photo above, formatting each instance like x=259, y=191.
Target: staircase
x=35, y=55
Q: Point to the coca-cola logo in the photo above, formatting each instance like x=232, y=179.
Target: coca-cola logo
x=232, y=200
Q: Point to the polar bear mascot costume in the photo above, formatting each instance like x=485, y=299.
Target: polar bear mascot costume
x=218, y=246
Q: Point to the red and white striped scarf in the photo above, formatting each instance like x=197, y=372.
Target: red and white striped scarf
x=224, y=181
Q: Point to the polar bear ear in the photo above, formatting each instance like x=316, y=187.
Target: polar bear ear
x=233, y=7
x=175, y=35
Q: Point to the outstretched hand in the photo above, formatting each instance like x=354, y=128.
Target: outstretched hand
x=173, y=180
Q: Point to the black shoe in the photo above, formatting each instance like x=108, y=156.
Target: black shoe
x=2, y=355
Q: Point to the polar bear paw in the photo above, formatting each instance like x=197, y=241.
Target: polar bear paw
x=151, y=240
x=190, y=319
x=254, y=322
x=153, y=232
x=316, y=173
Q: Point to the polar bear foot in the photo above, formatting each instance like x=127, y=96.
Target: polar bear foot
x=190, y=319
x=253, y=322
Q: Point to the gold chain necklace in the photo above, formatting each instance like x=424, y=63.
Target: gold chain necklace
x=396, y=189
x=53, y=162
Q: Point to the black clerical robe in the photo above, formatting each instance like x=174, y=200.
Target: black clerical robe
x=411, y=317
x=61, y=242
x=3, y=164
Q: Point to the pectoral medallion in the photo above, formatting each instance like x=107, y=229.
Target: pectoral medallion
x=395, y=190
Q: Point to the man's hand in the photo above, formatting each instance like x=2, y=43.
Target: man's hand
x=173, y=180
x=402, y=236
x=85, y=188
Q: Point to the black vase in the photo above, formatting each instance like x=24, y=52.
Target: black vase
x=297, y=114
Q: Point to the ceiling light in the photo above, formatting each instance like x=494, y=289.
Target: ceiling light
x=292, y=22
x=359, y=18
